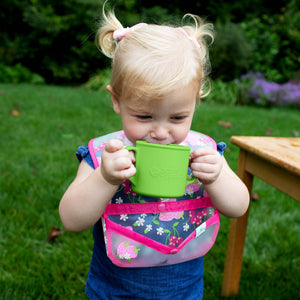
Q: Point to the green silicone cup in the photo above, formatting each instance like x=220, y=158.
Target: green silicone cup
x=161, y=170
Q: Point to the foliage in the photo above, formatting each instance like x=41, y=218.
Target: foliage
x=253, y=89
x=257, y=90
x=99, y=81
x=18, y=74
x=56, y=38
x=230, y=52
x=38, y=162
x=275, y=43
x=223, y=93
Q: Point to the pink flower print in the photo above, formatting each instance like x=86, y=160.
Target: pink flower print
x=167, y=200
x=100, y=147
x=127, y=188
x=125, y=251
x=192, y=188
x=206, y=140
x=193, y=139
x=122, y=134
x=170, y=216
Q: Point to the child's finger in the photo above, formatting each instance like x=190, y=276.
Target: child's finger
x=113, y=146
x=127, y=173
x=132, y=156
x=202, y=151
x=206, y=159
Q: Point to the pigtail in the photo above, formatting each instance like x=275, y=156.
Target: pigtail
x=104, y=36
x=203, y=33
x=200, y=30
x=152, y=60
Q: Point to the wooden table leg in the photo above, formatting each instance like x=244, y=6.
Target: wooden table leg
x=236, y=238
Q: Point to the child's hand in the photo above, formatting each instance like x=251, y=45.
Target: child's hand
x=117, y=163
x=206, y=164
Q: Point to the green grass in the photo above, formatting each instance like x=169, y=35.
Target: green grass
x=37, y=164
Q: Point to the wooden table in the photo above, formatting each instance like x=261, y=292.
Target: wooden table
x=276, y=161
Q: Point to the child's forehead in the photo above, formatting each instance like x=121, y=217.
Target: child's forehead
x=177, y=100
x=143, y=96
x=141, y=104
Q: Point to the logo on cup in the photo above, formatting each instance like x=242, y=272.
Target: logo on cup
x=165, y=172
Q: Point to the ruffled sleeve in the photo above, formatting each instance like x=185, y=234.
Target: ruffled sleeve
x=83, y=153
x=221, y=147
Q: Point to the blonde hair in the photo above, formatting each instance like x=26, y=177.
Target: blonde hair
x=156, y=59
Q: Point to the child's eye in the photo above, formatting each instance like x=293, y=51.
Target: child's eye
x=178, y=118
x=144, y=117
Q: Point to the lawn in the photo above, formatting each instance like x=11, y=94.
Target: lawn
x=41, y=128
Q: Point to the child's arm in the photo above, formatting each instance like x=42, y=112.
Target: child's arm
x=88, y=195
x=227, y=192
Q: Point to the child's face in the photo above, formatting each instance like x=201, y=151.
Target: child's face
x=164, y=121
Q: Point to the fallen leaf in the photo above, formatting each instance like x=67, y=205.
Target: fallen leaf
x=225, y=124
x=2, y=93
x=54, y=233
x=295, y=133
x=15, y=112
x=269, y=131
x=254, y=196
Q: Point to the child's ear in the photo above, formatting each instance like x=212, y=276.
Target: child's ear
x=115, y=101
x=199, y=95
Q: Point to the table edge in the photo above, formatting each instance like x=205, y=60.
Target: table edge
x=235, y=139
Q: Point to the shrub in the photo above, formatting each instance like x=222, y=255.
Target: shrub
x=99, y=81
x=230, y=53
x=19, y=74
x=275, y=42
x=257, y=90
x=223, y=92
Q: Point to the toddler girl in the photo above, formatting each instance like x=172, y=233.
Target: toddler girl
x=158, y=73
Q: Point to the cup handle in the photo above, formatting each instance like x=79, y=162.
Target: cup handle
x=132, y=148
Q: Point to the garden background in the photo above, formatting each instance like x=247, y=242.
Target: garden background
x=53, y=99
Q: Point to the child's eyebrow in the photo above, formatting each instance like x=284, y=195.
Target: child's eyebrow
x=140, y=111
x=183, y=112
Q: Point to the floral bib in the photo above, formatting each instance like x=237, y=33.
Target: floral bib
x=142, y=231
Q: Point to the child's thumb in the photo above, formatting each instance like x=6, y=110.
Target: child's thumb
x=113, y=146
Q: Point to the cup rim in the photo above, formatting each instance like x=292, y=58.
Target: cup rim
x=169, y=146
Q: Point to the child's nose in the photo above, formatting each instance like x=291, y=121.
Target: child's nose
x=159, y=132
